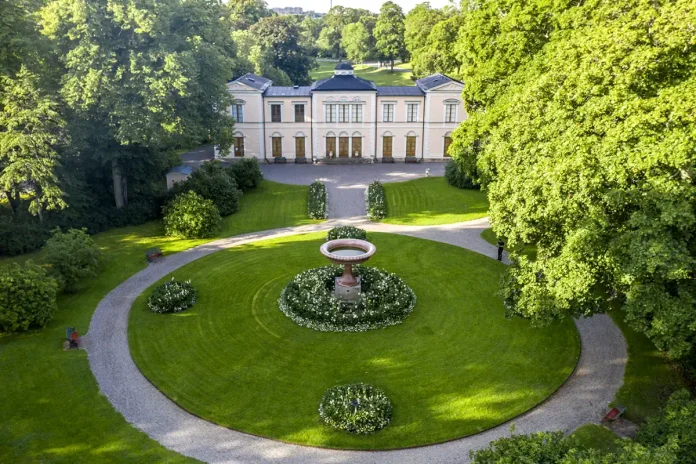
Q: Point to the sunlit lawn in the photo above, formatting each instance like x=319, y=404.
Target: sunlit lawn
x=50, y=404
x=456, y=366
x=431, y=201
x=382, y=76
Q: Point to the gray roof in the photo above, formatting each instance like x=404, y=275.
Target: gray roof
x=182, y=169
x=277, y=91
x=252, y=80
x=348, y=83
x=400, y=90
x=434, y=80
x=343, y=66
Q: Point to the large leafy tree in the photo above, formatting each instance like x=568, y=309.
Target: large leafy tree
x=139, y=77
x=586, y=143
x=243, y=14
x=335, y=20
x=356, y=41
x=418, y=24
x=389, y=32
x=31, y=133
x=439, y=54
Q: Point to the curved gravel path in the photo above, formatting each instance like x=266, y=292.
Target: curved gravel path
x=582, y=399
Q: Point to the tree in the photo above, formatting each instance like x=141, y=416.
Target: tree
x=213, y=182
x=27, y=297
x=31, y=131
x=142, y=77
x=418, y=24
x=389, y=32
x=355, y=41
x=281, y=35
x=73, y=256
x=242, y=14
x=439, y=53
x=189, y=215
x=335, y=20
x=257, y=59
x=310, y=29
x=675, y=423
x=592, y=165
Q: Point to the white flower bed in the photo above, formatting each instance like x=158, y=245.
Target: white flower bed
x=309, y=300
x=357, y=408
x=172, y=297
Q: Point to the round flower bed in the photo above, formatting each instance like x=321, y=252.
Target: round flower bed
x=309, y=300
x=357, y=408
x=172, y=297
x=346, y=232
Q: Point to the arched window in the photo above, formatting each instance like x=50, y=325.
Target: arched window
x=343, y=145
x=356, y=145
x=300, y=134
x=277, y=145
x=447, y=143
x=387, y=144
x=238, y=146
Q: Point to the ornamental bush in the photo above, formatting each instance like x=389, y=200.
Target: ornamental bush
x=72, y=255
x=27, y=297
x=191, y=216
x=309, y=300
x=357, y=408
x=346, y=232
x=247, y=173
x=213, y=182
x=172, y=297
x=457, y=176
x=375, y=200
x=316, y=203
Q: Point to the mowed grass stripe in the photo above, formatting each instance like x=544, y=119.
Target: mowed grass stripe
x=455, y=367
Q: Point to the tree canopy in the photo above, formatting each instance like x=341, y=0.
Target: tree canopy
x=356, y=41
x=389, y=32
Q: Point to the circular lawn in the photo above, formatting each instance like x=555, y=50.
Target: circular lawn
x=455, y=367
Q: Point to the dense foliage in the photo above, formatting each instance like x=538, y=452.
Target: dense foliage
x=357, y=408
x=27, y=297
x=317, y=201
x=458, y=176
x=309, y=300
x=375, y=201
x=389, y=33
x=346, y=232
x=72, y=255
x=189, y=215
x=247, y=173
x=214, y=182
x=172, y=297
x=676, y=423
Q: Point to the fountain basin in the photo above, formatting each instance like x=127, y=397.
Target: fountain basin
x=346, y=252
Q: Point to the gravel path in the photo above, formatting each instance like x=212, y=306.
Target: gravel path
x=583, y=398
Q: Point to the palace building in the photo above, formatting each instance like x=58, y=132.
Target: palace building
x=345, y=116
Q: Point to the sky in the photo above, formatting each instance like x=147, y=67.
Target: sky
x=322, y=6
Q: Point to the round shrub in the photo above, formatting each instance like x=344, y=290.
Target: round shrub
x=172, y=297
x=191, y=216
x=357, y=408
x=213, y=182
x=346, y=232
x=73, y=255
x=456, y=175
x=309, y=300
x=27, y=297
x=247, y=173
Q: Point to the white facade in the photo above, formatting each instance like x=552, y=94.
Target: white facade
x=345, y=117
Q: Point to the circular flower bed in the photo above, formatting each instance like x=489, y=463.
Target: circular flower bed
x=172, y=297
x=356, y=408
x=309, y=300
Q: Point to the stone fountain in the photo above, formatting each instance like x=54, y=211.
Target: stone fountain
x=346, y=252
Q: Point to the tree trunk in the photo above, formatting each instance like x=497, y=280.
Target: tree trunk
x=13, y=201
x=118, y=180
x=392, y=65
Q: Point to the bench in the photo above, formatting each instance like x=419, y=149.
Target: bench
x=153, y=254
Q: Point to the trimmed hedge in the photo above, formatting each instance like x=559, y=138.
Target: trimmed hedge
x=346, y=232
x=27, y=297
x=457, y=176
x=376, y=202
x=357, y=408
x=317, y=201
x=191, y=216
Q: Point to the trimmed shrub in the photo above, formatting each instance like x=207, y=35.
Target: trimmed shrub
x=18, y=236
x=27, y=297
x=213, y=182
x=357, y=408
x=247, y=173
x=73, y=255
x=191, y=216
x=376, y=202
x=346, y=232
x=457, y=176
x=172, y=297
x=316, y=202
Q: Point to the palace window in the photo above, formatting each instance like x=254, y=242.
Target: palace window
x=275, y=113
x=448, y=142
x=451, y=112
x=387, y=145
x=388, y=112
x=411, y=112
x=343, y=113
x=277, y=144
x=238, y=112
x=299, y=147
x=357, y=113
x=331, y=113
x=411, y=145
x=299, y=113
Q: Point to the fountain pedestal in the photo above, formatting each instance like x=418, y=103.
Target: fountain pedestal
x=347, y=252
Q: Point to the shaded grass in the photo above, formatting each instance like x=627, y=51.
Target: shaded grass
x=50, y=403
x=591, y=436
x=381, y=76
x=431, y=201
x=455, y=366
x=529, y=250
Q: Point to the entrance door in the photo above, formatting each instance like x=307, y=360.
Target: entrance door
x=448, y=142
x=386, y=146
x=299, y=147
x=277, y=147
x=238, y=146
x=330, y=146
x=343, y=147
x=356, y=149
x=410, y=146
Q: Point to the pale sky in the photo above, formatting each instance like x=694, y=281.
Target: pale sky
x=322, y=6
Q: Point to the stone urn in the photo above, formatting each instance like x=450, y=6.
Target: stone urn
x=347, y=252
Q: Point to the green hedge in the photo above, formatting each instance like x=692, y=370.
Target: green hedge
x=191, y=216
x=376, y=202
x=27, y=297
x=317, y=201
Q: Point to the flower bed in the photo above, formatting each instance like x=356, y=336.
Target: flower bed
x=358, y=408
x=346, y=232
x=317, y=201
x=375, y=200
x=172, y=297
x=309, y=300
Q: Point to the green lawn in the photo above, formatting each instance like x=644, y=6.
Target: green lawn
x=595, y=437
x=490, y=237
x=430, y=201
x=456, y=366
x=382, y=76
x=50, y=404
